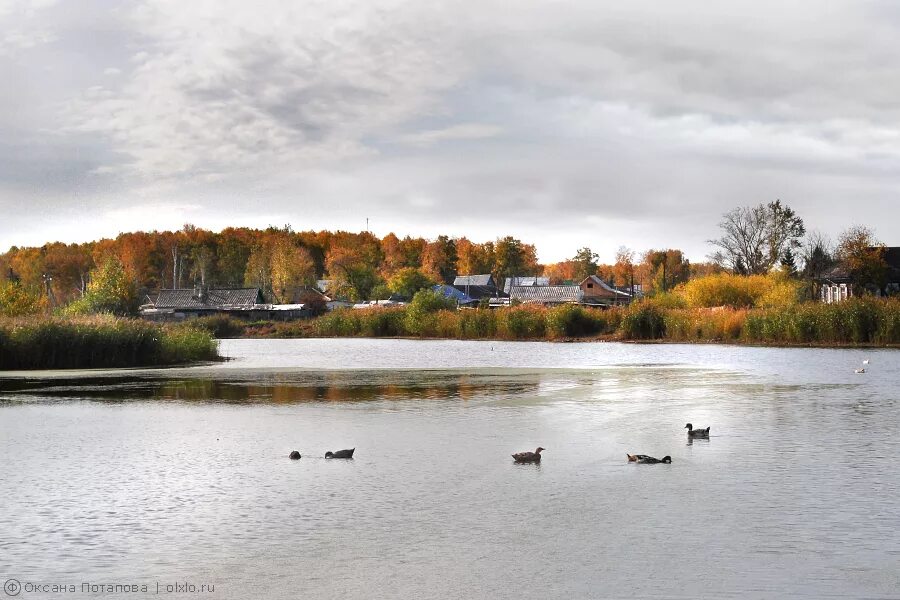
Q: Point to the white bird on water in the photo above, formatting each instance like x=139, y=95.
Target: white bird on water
x=865, y=362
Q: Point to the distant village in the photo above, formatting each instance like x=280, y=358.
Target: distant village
x=467, y=291
x=279, y=274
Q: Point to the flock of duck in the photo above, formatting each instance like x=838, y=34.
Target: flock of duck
x=535, y=457
x=642, y=459
x=295, y=455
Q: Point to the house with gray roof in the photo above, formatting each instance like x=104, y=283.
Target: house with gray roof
x=476, y=286
x=510, y=282
x=547, y=295
x=245, y=303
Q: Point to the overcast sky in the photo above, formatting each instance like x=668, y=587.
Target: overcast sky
x=567, y=124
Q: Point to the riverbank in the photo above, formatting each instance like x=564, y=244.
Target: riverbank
x=100, y=342
x=863, y=322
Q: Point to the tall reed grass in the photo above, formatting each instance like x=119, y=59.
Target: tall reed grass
x=99, y=342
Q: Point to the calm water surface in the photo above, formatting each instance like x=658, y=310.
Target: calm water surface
x=181, y=476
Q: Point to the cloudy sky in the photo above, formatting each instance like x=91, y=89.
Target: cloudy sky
x=568, y=124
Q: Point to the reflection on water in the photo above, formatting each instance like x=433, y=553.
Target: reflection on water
x=283, y=389
x=183, y=474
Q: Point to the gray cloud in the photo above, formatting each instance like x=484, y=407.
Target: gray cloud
x=584, y=123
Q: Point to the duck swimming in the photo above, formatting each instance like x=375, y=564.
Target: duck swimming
x=643, y=459
x=294, y=455
x=700, y=433
x=340, y=454
x=528, y=457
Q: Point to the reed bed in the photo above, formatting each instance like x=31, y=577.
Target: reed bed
x=99, y=342
x=858, y=321
x=862, y=321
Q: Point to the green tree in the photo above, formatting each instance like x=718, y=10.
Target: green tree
x=408, y=281
x=584, y=263
x=420, y=317
x=513, y=258
x=111, y=290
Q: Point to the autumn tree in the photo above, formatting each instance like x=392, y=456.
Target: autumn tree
x=16, y=301
x=862, y=255
x=562, y=272
x=623, y=269
x=352, y=262
x=69, y=265
x=474, y=259
x=394, y=260
x=666, y=268
x=258, y=272
x=401, y=254
x=292, y=269
x=439, y=260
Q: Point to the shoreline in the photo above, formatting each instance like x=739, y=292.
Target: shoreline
x=586, y=340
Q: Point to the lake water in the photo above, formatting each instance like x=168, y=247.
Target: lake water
x=181, y=476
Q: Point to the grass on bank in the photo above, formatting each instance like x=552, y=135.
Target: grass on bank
x=99, y=342
x=869, y=321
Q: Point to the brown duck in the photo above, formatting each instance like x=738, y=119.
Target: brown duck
x=340, y=453
x=528, y=457
x=697, y=433
x=643, y=459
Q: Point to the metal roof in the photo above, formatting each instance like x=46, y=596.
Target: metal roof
x=547, y=294
x=524, y=281
x=215, y=298
x=479, y=280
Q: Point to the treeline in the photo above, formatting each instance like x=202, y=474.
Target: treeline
x=280, y=261
x=114, y=275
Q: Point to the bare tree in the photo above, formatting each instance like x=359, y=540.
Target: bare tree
x=757, y=238
x=817, y=254
x=742, y=245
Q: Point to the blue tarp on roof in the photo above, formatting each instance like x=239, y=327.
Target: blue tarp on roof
x=451, y=292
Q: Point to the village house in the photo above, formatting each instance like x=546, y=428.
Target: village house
x=837, y=284
x=243, y=303
x=476, y=286
x=448, y=291
x=598, y=292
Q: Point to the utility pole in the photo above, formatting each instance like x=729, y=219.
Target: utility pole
x=48, y=280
